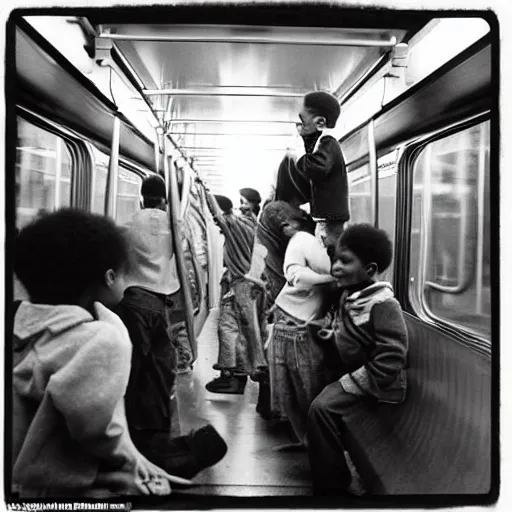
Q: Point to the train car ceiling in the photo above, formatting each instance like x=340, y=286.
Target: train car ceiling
x=213, y=77
x=458, y=89
x=223, y=83
x=226, y=89
x=41, y=71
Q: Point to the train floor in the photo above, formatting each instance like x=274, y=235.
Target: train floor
x=252, y=466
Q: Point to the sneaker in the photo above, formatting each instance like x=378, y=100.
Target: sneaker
x=227, y=384
x=207, y=446
x=196, y=451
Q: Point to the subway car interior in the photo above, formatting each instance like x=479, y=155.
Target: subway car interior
x=208, y=97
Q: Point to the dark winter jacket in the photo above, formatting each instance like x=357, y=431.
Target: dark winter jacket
x=371, y=336
x=326, y=170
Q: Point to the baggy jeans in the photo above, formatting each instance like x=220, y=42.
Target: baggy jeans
x=296, y=372
x=233, y=354
x=241, y=329
x=177, y=321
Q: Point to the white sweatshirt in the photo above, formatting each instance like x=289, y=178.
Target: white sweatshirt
x=306, y=269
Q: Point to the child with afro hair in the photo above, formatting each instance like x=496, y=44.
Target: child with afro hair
x=71, y=363
x=371, y=337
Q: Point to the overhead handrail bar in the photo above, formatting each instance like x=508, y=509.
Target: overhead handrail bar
x=222, y=92
x=222, y=121
x=132, y=75
x=204, y=148
x=256, y=35
x=225, y=134
x=243, y=86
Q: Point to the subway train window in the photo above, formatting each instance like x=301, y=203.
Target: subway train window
x=128, y=195
x=450, y=244
x=360, y=192
x=387, y=172
x=43, y=172
x=99, y=181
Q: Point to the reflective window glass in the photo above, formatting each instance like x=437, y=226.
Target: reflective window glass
x=387, y=172
x=128, y=195
x=450, y=237
x=360, y=194
x=99, y=181
x=43, y=172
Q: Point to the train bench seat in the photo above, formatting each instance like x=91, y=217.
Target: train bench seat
x=438, y=440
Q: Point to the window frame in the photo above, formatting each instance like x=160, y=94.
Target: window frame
x=73, y=145
x=405, y=292
x=125, y=163
x=383, y=172
x=375, y=191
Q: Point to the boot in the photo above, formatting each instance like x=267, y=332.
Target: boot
x=228, y=384
x=183, y=456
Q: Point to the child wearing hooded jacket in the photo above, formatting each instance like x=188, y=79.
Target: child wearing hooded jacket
x=71, y=363
x=370, y=334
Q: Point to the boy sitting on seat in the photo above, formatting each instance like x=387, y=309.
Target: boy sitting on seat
x=371, y=336
x=71, y=363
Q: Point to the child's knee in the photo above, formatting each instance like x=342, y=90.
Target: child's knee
x=318, y=409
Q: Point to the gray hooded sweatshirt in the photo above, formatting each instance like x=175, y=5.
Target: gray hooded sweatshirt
x=70, y=373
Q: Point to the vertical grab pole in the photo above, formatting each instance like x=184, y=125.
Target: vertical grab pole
x=185, y=195
x=113, y=166
x=158, y=145
x=58, y=171
x=175, y=222
x=372, y=153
